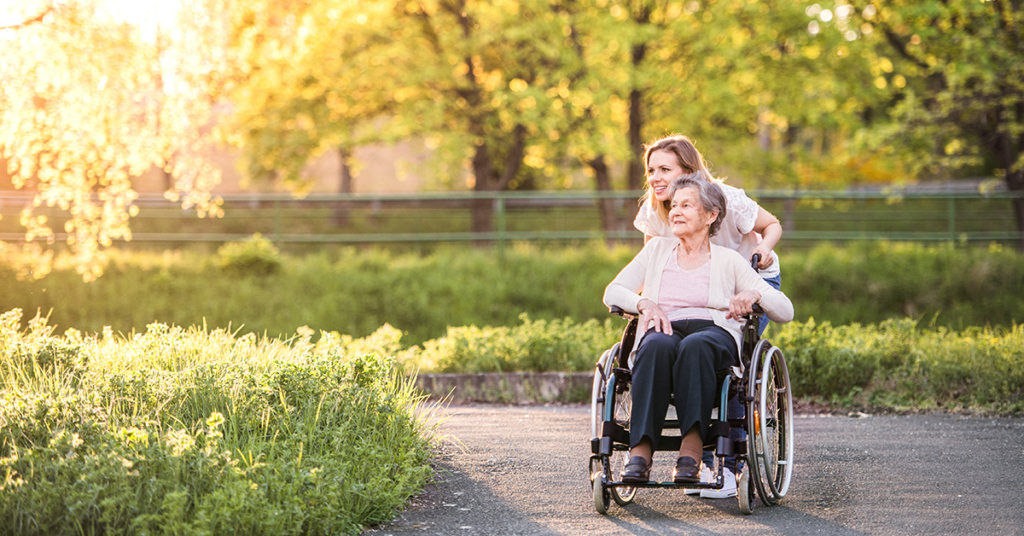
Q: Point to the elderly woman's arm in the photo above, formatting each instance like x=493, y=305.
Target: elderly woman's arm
x=624, y=290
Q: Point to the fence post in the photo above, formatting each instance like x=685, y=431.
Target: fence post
x=277, y=221
x=952, y=219
x=499, y=215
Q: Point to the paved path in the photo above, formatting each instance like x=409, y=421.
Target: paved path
x=523, y=470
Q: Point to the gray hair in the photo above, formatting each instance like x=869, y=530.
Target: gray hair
x=709, y=193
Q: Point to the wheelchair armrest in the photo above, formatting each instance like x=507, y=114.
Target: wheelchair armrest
x=616, y=310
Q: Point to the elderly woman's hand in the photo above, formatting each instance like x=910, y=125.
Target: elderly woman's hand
x=742, y=303
x=650, y=314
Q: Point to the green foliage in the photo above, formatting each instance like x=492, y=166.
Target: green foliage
x=177, y=431
x=893, y=364
x=956, y=287
x=253, y=256
x=898, y=364
x=954, y=75
x=535, y=346
x=356, y=291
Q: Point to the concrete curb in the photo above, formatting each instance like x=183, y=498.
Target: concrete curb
x=509, y=388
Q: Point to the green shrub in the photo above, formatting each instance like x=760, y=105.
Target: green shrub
x=895, y=363
x=176, y=431
x=870, y=282
x=252, y=256
x=898, y=364
x=535, y=345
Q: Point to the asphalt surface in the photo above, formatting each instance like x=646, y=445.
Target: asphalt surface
x=523, y=470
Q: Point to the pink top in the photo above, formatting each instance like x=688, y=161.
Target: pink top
x=684, y=293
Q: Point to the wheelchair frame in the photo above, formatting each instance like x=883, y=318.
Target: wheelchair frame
x=767, y=453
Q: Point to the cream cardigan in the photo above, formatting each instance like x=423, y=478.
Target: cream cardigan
x=730, y=274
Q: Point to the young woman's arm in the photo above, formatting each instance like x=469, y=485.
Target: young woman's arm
x=770, y=229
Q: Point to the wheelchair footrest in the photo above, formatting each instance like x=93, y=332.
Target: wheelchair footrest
x=668, y=484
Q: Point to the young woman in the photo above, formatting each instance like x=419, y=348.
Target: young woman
x=748, y=228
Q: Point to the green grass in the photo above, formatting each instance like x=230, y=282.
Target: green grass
x=195, y=431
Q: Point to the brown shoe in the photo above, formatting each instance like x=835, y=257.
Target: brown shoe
x=636, y=470
x=687, y=471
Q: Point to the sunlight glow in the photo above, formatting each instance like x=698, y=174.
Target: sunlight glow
x=146, y=14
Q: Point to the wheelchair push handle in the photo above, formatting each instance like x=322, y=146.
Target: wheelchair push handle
x=756, y=258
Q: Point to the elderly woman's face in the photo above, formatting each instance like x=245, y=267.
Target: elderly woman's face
x=687, y=215
x=662, y=168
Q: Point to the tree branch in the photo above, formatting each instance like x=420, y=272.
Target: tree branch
x=37, y=18
x=515, y=157
x=901, y=47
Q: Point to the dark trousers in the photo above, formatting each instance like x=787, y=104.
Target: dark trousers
x=687, y=364
x=737, y=410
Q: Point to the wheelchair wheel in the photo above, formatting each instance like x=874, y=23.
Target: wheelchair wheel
x=603, y=369
x=745, y=493
x=622, y=495
x=769, y=423
x=601, y=495
x=616, y=463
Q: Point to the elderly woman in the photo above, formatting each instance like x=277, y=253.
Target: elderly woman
x=694, y=294
x=745, y=227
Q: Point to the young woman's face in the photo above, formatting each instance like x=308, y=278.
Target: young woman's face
x=662, y=167
x=687, y=215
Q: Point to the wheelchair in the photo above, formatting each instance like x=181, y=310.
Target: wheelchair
x=762, y=383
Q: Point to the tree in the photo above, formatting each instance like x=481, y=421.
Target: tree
x=86, y=103
x=957, y=80
x=477, y=80
x=749, y=81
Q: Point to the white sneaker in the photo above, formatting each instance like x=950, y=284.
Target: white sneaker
x=705, y=478
x=728, y=488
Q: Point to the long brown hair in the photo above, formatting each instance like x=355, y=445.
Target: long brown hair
x=688, y=158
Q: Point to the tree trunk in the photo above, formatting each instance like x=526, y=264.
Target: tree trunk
x=1006, y=155
x=341, y=210
x=482, y=209
x=608, y=207
x=635, y=177
x=1015, y=183
x=489, y=180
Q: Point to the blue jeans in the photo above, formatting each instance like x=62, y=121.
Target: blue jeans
x=735, y=408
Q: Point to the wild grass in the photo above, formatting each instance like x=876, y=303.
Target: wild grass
x=197, y=431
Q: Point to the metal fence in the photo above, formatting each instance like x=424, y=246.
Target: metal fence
x=807, y=216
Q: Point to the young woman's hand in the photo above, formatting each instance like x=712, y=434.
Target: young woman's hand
x=651, y=316
x=742, y=303
x=767, y=259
